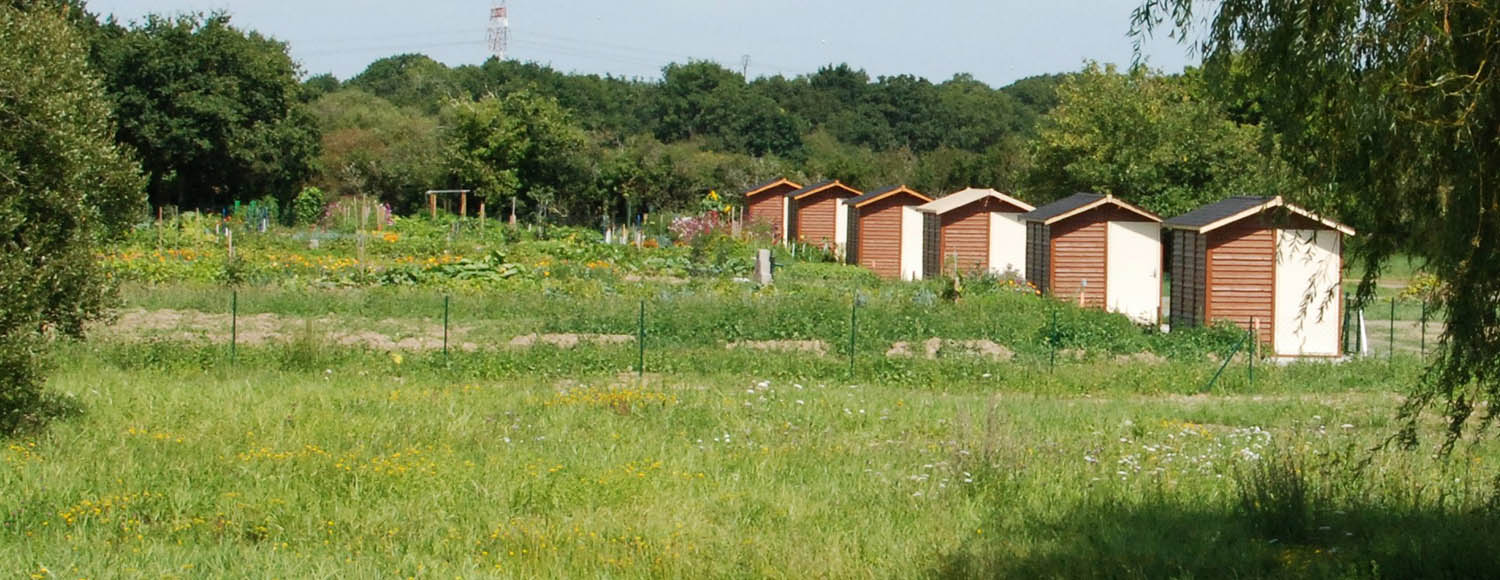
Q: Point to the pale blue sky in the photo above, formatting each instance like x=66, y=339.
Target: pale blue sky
x=998, y=41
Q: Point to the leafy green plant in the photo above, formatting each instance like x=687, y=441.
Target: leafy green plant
x=307, y=207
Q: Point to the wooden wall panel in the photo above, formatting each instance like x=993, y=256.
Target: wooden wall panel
x=1038, y=255
x=880, y=236
x=1078, y=255
x=1189, y=268
x=1241, y=282
x=932, y=262
x=966, y=237
x=816, y=221
x=767, y=207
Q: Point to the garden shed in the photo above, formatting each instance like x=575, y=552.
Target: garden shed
x=1099, y=250
x=814, y=216
x=885, y=232
x=974, y=230
x=1261, y=259
x=766, y=203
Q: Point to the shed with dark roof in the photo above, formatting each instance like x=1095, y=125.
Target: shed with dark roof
x=1262, y=264
x=815, y=215
x=885, y=232
x=766, y=204
x=1098, y=250
x=974, y=230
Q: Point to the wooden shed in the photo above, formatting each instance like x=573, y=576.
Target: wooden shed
x=974, y=230
x=766, y=203
x=885, y=232
x=1261, y=259
x=815, y=216
x=1098, y=249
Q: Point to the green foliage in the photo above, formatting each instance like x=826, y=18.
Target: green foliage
x=211, y=110
x=308, y=206
x=522, y=146
x=65, y=188
x=1158, y=141
x=372, y=147
x=1388, y=110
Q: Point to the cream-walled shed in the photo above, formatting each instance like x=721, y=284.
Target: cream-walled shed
x=974, y=230
x=1261, y=263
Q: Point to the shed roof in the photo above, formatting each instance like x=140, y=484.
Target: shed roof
x=875, y=196
x=1216, y=215
x=965, y=197
x=760, y=188
x=1081, y=202
x=822, y=186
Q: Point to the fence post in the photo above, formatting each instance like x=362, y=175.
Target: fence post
x=1227, y=360
x=445, y=327
x=1254, y=342
x=640, y=342
x=234, y=322
x=1345, y=329
x=1391, y=345
x=1424, y=329
x=1052, y=341
x=853, y=321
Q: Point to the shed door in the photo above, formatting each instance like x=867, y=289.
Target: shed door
x=1134, y=286
x=1008, y=244
x=1309, y=301
x=1240, y=276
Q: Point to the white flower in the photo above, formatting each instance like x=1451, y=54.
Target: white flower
x=799, y=402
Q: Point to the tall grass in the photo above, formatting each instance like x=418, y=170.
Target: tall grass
x=341, y=462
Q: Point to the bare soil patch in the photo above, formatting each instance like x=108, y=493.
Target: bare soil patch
x=932, y=347
x=816, y=347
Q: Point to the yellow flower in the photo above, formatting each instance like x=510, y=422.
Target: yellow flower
x=713, y=195
x=396, y=357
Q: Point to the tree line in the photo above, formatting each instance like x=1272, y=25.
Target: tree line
x=215, y=113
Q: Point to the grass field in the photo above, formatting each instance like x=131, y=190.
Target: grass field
x=338, y=439
x=347, y=463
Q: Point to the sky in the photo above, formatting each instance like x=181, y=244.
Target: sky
x=997, y=41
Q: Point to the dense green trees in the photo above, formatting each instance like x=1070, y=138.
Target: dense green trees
x=211, y=110
x=65, y=186
x=1389, y=110
x=373, y=147
x=521, y=146
x=1157, y=140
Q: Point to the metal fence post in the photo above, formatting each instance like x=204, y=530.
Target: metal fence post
x=1424, y=329
x=1391, y=345
x=1254, y=342
x=445, y=327
x=640, y=342
x=853, y=321
x=234, y=322
x=1227, y=360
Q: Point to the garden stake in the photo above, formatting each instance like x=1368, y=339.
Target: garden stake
x=1391, y=346
x=234, y=319
x=853, y=308
x=445, y=327
x=1227, y=359
x=640, y=342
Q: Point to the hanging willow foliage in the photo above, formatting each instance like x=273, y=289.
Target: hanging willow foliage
x=1389, y=112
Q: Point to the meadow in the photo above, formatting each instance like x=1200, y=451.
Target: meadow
x=1092, y=448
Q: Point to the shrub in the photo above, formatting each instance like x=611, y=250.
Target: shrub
x=307, y=208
